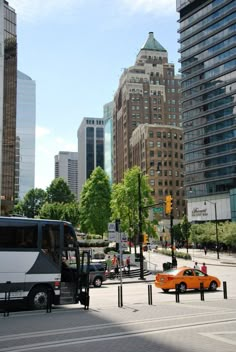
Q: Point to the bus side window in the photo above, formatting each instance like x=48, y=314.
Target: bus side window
x=69, y=240
x=51, y=241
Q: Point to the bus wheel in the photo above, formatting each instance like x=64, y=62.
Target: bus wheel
x=38, y=298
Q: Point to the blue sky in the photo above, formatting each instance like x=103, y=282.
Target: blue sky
x=76, y=50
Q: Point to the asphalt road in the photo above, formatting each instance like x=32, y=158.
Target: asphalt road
x=190, y=325
x=167, y=326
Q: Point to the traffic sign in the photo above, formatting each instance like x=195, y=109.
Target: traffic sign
x=111, y=227
x=158, y=210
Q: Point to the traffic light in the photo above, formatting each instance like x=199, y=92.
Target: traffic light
x=145, y=238
x=169, y=204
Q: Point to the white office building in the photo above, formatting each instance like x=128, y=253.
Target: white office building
x=66, y=166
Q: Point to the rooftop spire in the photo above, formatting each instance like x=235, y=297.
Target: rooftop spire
x=152, y=44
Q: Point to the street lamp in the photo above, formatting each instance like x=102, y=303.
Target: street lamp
x=140, y=225
x=216, y=220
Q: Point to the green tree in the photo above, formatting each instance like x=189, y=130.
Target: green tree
x=59, y=211
x=59, y=192
x=125, y=203
x=32, y=202
x=185, y=228
x=94, y=207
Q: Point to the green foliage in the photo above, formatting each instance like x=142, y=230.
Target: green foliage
x=59, y=211
x=125, y=202
x=95, y=209
x=185, y=228
x=59, y=192
x=178, y=254
x=31, y=204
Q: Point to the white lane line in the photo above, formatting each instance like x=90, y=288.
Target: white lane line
x=214, y=336
x=113, y=336
x=72, y=330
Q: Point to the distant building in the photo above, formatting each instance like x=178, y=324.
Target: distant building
x=147, y=123
x=66, y=166
x=90, y=148
x=108, y=144
x=8, y=73
x=208, y=65
x=25, y=135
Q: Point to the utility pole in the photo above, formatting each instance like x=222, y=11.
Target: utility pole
x=140, y=227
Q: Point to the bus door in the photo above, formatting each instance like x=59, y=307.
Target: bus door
x=84, y=279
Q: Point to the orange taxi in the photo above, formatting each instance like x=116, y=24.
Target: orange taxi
x=186, y=278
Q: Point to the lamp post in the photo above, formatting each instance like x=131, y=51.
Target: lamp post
x=140, y=227
x=216, y=220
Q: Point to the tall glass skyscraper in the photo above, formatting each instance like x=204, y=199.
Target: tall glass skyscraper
x=25, y=135
x=208, y=66
x=107, y=117
x=8, y=72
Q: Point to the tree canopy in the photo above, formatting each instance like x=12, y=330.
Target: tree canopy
x=32, y=202
x=95, y=199
x=59, y=192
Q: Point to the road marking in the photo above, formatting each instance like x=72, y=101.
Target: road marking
x=113, y=336
x=214, y=336
x=72, y=330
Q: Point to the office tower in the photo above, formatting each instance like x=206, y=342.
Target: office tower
x=90, y=148
x=207, y=46
x=66, y=166
x=25, y=135
x=147, y=123
x=108, y=145
x=8, y=69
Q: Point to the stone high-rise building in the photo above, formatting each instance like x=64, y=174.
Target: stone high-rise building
x=147, y=123
x=8, y=79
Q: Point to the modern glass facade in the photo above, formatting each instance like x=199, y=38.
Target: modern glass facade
x=90, y=148
x=8, y=72
x=25, y=132
x=208, y=62
x=108, y=160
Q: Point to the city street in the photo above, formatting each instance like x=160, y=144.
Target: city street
x=163, y=326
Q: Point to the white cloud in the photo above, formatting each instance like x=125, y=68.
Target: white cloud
x=42, y=131
x=161, y=7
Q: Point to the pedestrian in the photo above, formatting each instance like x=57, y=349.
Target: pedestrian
x=174, y=262
x=205, y=250
x=108, y=264
x=128, y=264
x=115, y=262
x=204, y=268
x=196, y=266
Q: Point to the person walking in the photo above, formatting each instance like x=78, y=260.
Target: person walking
x=128, y=264
x=196, y=266
x=108, y=264
x=205, y=250
x=204, y=268
x=115, y=263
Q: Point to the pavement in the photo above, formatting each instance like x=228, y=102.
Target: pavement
x=154, y=263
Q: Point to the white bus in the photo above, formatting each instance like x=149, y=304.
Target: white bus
x=35, y=258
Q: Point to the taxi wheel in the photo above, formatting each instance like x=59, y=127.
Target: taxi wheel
x=165, y=290
x=182, y=287
x=213, y=286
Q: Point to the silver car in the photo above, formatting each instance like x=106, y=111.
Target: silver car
x=96, y=274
